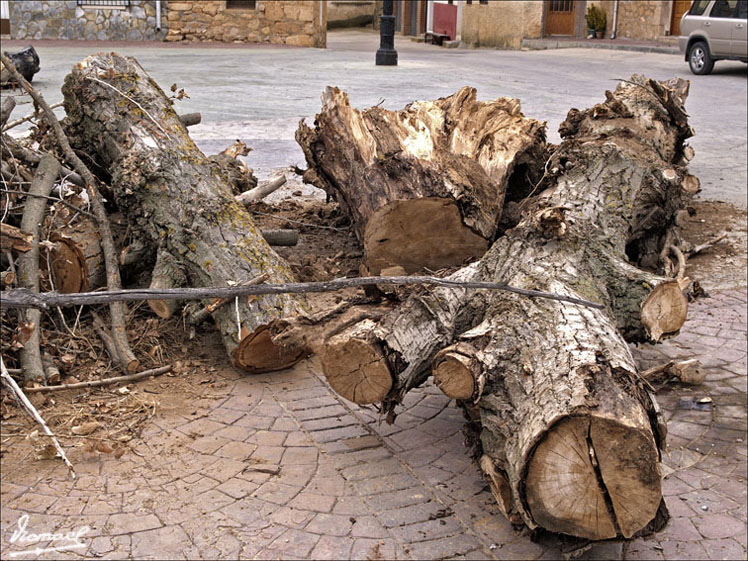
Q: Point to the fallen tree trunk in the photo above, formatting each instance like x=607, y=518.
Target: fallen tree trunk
x=173, y=200
x=424, y=186
x=568, y=433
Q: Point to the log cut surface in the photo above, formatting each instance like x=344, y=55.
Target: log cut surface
x=174, y=200
x=77, y=259
x=424, y=186
x=569, y=436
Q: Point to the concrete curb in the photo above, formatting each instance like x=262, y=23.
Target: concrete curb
x=544, y=44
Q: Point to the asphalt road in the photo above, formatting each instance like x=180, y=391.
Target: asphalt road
x=259, y=94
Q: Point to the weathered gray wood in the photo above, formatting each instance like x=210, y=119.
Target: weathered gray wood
x=14, y=299
x=261, y=191
x=104, y=382
x=8, y=104
x=31, y=157
x=281, y=236
x=172, y=199
x=167, y=273
x=191, y=119
x=28, y=263
x=125, y=357
x=569, y=435
x=424, y=186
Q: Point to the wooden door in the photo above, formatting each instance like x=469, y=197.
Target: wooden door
x=4, y=18
x=680, y=7
x=559, y=18
x=445, y=20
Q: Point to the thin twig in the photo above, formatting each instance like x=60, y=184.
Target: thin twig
x=126, y=357
x=707, y=245
x=29, y=117
x=31, y=410
x=203, y=314
x=105, y=382
x=299, y=222
x=19, y=298
x=55, y=199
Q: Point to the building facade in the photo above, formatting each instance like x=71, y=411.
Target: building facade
x=133, y=20
x=288, y=22
x=503, y=24
x=301, y=23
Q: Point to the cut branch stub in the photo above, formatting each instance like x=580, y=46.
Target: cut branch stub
x=167, y=273
x=456, y=372
x=424, y=186
x=354, y=366
x=77, y=258
x=665, y=310
x=174, y=200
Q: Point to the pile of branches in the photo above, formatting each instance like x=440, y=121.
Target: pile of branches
x=566, y=430
x=63, y=232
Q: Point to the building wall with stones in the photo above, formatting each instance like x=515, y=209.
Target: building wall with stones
x=289, y=22
x=64, y=19
x=350, y=13
x=643, y=19
x=501, y=24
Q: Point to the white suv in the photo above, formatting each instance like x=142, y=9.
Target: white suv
x=714, y=30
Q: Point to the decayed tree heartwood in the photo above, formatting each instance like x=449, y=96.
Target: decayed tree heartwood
x=424, y=186
x=568, y=434
x=174, y=201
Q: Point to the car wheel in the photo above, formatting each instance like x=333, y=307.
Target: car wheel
x=699, y=59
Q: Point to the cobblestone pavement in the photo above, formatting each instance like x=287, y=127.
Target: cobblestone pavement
x=277, y=466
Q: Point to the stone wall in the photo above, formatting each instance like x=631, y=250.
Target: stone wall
x=289, y=22
x=50, y=19
x=642, y=19
x=501, y=24
x=350, y=13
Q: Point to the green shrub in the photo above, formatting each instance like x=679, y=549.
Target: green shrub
x=596, y=18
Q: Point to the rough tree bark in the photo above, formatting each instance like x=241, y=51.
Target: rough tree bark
x=424, y=186
x=172, y=197
x=568, y=434
x=28, y=263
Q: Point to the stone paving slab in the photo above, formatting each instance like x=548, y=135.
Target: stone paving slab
x=279, y=467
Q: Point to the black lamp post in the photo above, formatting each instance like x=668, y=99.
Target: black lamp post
x=387, y=55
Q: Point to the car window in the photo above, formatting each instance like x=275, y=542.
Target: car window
x=698, y=7
x=743, y=9
x=724, y=9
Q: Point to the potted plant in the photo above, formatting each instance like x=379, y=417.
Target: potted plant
x=590, y=17
x=601, y=24
x=596, y=21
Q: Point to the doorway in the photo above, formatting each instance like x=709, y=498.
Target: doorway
x=4, y=18
x=559, y=18
x=680, y=7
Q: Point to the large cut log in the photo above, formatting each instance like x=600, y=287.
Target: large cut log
x=568, y=434
x=174, y=200
x=424, y=186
